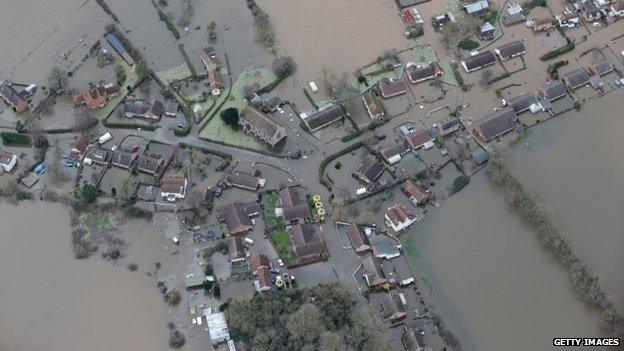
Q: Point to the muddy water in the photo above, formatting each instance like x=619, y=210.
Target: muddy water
x=496, y=286
x=576, y=164
x=50, y=301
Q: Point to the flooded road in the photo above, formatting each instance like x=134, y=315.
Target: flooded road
x=576, y=164
x=50, y=301
x=495, y=284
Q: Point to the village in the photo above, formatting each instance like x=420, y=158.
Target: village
x=263, y=179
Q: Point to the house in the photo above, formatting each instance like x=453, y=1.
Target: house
x=487, y=31
x=307, y=242
x=568, y=19
x=417, y=194
x=123, y=158
x=495, y=124
x=236, y=250
x=544, y=24
x=479, y=156
x=12, y=97
x=513, y=14
x=370, y=170
x=392, y=87
x=258, y=260
x=373, y=105
x=97, y=155
x=271, y=104
x=575, y=78
x=589, y=11
x=173, y=187
x=392, y=152
x=372, y=272
x=263, y=279
x=447, y=126
x=8, y=161
x=478, y=61
x=150, y=165
x=510, y=50
x=243, y=181
x=553, y=90
x=238, y=216
x=171, y=108
x=358, y=239
x=78, y=148
x=601, y=67
x=598, y=84
x=398, y=217
x=142, y=109
x=617, y=8
x=418, y=138
x=323, y=117
x=412, y=340
x=114, y=41
x=386, y=249
x=392, y=308
x=294, y=204
x=213, y=67
x=408, y=3
x=260, y=125
x=97, y=96
x=474, y=8
x=217, y=327
x=420, y=73
x=411, y=17
x=521, y=102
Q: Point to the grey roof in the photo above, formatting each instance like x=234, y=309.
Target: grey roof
x=575, y=78
x=553, y=90
x=392, y=307
x=510, y=50
x=171, y=108
x=496, y=123
x=396, y=147
x=601, y=67
x=149, y=164
x=236, y=217
x=476, y=7
x=420, y=73
x=261, y=126
x=487, y=27
x=236, y=250
x=372, y=272
x=448, y=124
x=323, y=117
x=242, y=180
x=522, y=102
x=479, y=155
x=370, y=170
x=390, y=88
x=123, y=158
x=294, y=203
x=418, y=137
x=479, y=60
x=408, y=3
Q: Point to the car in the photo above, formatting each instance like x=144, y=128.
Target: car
x=276, y=270
x=280, y=262
x=182, y=126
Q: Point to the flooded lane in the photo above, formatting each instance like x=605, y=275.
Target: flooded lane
x=50, y=301
x=497, y=288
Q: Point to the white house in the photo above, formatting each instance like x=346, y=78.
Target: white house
x=398, y=217
x=8, y=161
x=173, y=187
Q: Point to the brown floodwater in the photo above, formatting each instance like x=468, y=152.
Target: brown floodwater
x=50, y=301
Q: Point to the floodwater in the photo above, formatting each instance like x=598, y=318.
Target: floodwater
x=496, y=287
x=576, y=163
x=50, y=301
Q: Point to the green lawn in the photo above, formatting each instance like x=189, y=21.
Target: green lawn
x=174, y=74
x=283, y=244
x=410, y=249
x=372, y=79
x=271, y=220
x=131, y=81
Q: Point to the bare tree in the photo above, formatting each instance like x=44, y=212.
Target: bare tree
x=84, y=120
x=57, y=79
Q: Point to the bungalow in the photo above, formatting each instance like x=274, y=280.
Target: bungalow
x=236, y=251
x=271, y=104
x=370, y=170
x=294, y=204
x=258, y=260
x=242, y=180
x=522, y=102
x=173, y=187
x=487, y=31
x=408, y=3
x=553, y=90
x=123, y=158
x=393, y=151
x=119, y=47
x=480, y=6
x=307, y=242
x=398, y=217
x=171, y=108
x=323, y=117
x=617, y=8
x=495, y=124
x=420, y=73
x=213, y=67
x=12, y=97
x=575, y=78
x=479, y=156
x=392, y=308
x=512, y=14
x=478, y=61
x=417, y=194
x=97, y=96
x=237, y=216
x=373, y=105
x=372, y=272
x=150, y=165
x=79, y=147
x=390, y=88
x=598, y=84
x=97, y=155
x=8, y=161
x=568, y=19
x=143, y=109
x=358, y=239
x=417, y=138
x=259, y=265
x=412, y=340
x=511, y=50
x=257, y=123
x=589, y=11
x=448, y=125
x=544, y=24
x=386, y=249
x=601, y=67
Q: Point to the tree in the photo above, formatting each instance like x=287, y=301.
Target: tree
x=283, y=66
x=173, y=297
x=264, y=30
x=88, y=193
x=305, y=325
x=331, y=341
x=230, y=116
x=57, y=79
x=176, y=339
x=84, y=120
x=487, y=76
x=120, y=72
x=142, y=70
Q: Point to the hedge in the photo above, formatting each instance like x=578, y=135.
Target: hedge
x=330, y=158
x=15, y=138
x=557, y=52
x=267, y=88
x=468, y=44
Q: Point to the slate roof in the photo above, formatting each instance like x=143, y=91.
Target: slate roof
x=448, y=125
x=150, y=165
x=424, y=72
x=553, y=90
x=390, y=88
x=370, y=170
x=513, y=49
x=324, y=117
x=479, y=61
x=372, y=272
x=396, y=147
x=236, y=249
x=476, y=7
x=393, y=309
x=242, y=180
x=575, y=78
x=408, y=3
x=294, y=203
x=601, y=67
x=260, y=125
x=123, y=158
x=495, y=124
x=306, y=240
x=522, y=102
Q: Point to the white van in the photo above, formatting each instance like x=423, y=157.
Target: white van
x=249, y=241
